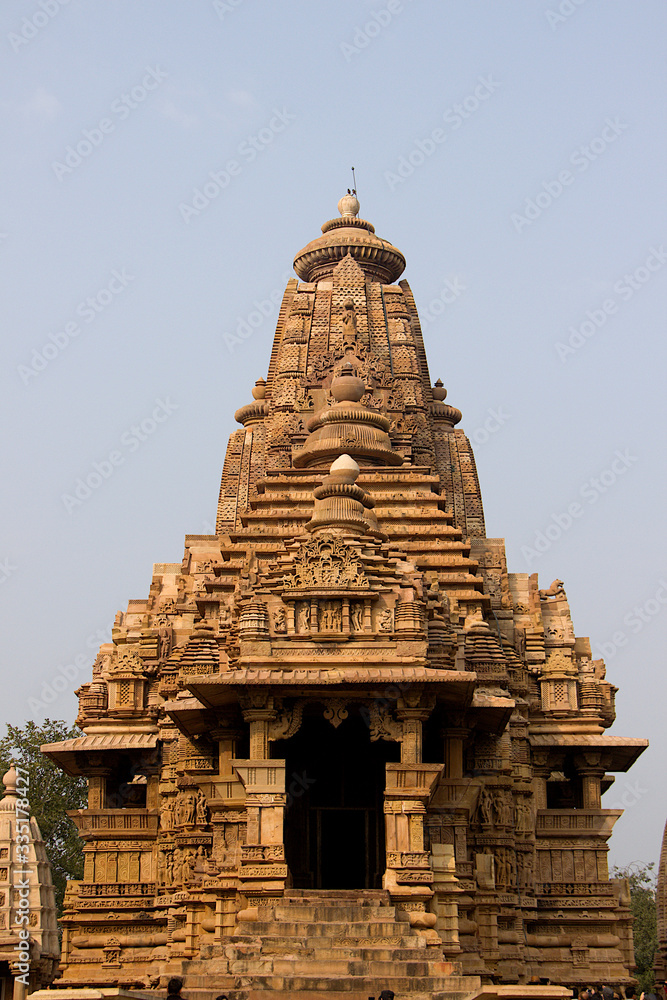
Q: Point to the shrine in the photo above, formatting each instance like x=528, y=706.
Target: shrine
x=340, y=747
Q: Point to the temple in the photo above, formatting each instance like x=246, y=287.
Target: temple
x=29, y=946
x=340, y=741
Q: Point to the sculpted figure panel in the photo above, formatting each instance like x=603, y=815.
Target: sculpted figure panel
x=327, y=561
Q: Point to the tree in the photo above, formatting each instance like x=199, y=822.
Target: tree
x=51, y=793
x=642, y=880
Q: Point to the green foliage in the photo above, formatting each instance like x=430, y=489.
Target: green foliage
x=642, y=880
x=51, y=793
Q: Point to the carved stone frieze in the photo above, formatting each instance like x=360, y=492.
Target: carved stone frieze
x=325, y=561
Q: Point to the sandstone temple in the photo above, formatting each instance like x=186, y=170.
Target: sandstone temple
x=340, y=747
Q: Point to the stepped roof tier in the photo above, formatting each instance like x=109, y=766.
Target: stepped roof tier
x=342, y=708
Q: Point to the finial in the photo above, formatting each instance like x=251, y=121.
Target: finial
x=345, y=467
x=10, y=780
x=348, y=387
x=439, y=391
x=259, y=390
x=348, y=206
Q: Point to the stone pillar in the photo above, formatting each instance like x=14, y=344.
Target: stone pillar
x=345, y=624
x=445, y=902
x=413, y=710
x=368, y=617
x=19, y=989
x=263, y=869
x=258, y=720
x=416, y=831
x=591, y=767
x=411, y=744
x=542, y=768
x=408, y=876
x=454, y=748
x=226, y=737
x=225, y=916
x=97, y=782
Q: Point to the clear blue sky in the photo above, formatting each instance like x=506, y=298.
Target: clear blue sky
x=514, y=153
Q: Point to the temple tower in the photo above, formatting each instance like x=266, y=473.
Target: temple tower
x=340, y=719
x=29, y=947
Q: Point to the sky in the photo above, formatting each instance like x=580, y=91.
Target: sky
x=162, y=164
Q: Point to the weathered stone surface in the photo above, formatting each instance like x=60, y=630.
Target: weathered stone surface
x=340, y=744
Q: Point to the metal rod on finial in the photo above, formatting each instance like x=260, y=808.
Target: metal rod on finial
x=354, y=183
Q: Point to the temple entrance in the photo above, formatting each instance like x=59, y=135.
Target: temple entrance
x=334, y=820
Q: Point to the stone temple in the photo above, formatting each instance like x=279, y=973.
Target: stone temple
x=339, y=747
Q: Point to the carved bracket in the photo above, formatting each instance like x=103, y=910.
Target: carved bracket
x=287, y=721
x=383, y=725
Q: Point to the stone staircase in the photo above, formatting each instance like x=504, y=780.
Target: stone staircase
x=338, y=944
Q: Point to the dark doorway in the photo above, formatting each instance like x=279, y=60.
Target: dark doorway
x=334, y=821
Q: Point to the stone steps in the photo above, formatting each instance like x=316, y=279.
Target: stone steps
x=345, y=945
x=369, y=984
x=326, y=911
x=450, y=987
x=331, y=966
x=341, y=927
x=404, y=947
x=306, y=965
x=333, y=991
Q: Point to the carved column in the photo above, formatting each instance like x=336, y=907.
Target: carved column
x=263, y=869
x=97, y=781
x=541, y=770
x=444, y=903
x=591, y=768
x=226, y=737
x=454, y=744
x=345, y=624
x=409, y=876
x=258, y=716
x=413, y=710
x=411, y=744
